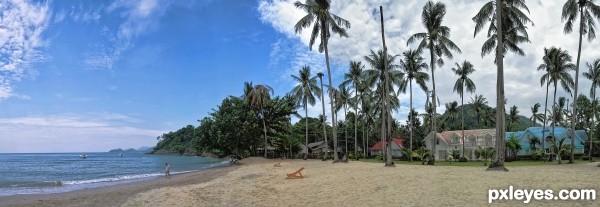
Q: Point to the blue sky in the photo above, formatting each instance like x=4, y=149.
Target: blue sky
x=96, y=75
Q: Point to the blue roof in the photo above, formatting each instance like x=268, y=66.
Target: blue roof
x=560, y=132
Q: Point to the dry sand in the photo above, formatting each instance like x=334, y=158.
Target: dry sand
x=258, y=183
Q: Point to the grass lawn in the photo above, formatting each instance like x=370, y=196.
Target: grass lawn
x=475, y=163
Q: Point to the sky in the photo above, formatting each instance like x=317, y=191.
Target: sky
x=86, y=76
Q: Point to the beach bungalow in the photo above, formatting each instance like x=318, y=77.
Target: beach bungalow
x=447, y=141
x=316, y=148
x=396, y=148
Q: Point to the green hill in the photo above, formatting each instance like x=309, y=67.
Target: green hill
x=471, y=120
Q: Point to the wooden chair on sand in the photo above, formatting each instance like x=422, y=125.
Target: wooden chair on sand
x=277, y=164
x=296, y=174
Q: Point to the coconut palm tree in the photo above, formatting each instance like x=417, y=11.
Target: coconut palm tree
x=513, y=117
x=509, y=21
x=593, y=74
x=451, y=112
x=436, y=40
x=478, y=103
x=343, y=100
x=463, y=82
x=413, y=66
x=355, y=78
x=533, y=141
x=557, y=65
x=259, y=97
x=587, y=11
x=325, y=23
x=488, y=116
x=320, y=75
x=535, y=116
x=304, y=93
x=384, y=74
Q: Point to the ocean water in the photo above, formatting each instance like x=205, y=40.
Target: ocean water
x=41, y=173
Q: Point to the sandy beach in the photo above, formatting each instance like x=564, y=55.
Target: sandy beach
x=256, y=182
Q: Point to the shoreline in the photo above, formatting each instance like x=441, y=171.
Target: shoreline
x=114, y=195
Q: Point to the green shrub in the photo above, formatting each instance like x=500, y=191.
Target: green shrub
x=585, y=157
x=462, y=159
x=379, y=156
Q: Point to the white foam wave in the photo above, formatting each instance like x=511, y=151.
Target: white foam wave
x=111, y=179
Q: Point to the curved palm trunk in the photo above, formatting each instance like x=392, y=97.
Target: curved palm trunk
x=324, y=37
x=355, y=124
x=306, y=124
x=462, y=109
x=545, y=119
x=324, y=125
x=574, y=117
x=498, y=163
x=411, y=122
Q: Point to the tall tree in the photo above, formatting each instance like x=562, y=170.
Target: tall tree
x=304, y=93
x=355, y=78
x=557, y=64
x=259, y=97
x=507, y=29
x=320, y=75
x=452, y=113
x=587, y=11
x=593, y=74
x=463, y=82
x=413, y=67
x=436, y=40
x=325, y=23
x=343, y=100
x=478, y=103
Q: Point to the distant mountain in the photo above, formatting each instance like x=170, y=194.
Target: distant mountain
x=119, y=150
x=144, y=149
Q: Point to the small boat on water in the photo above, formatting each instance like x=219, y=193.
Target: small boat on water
x=82, y=156
x=120, y=154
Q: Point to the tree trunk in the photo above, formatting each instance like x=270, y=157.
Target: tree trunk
x=545, y=118
x=264, y=128
x=324, y=118
x=306, y=124
x=434, y=107
x=411, y=122
x=462, y=109
x=345, y=159
x=574, y=115
x=325, y=38
x=498, y=163
x=356, y=124
x=593, y=123
x=386, y=106
x=554, y=117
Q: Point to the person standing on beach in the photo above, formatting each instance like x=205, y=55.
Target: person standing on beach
x=167, y=170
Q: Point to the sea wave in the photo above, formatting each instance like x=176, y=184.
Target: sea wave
x=32, y=184
x=111, y=179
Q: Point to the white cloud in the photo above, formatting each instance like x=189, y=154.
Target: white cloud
x=74, y=132
x=402, y=19
x=139, y=17
x=20, y=41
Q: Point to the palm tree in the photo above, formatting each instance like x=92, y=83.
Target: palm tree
x=488, y=116
x=317, y=11
x=557, y=65
x=436, y=40
x=413, y=66
x=259, y=97
x=463, y=82
x=384, y=75
x=320, y=75
x=587, y=11
x=513, y=145
x=535, y=116
x=343, y=99
x=451, y=112
x=513, y=117
x=594, y=75
x=509, y=21
x=479, y=103
x=304, y=93
x=533, y=141
x=355, y=77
